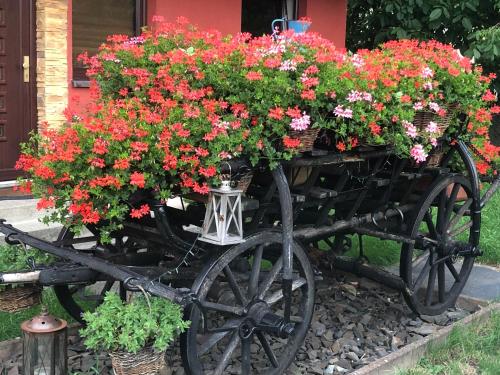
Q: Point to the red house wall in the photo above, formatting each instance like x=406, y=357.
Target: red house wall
x=223, y=15
x=328, y=18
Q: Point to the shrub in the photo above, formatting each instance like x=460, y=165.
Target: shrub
x=119, y=326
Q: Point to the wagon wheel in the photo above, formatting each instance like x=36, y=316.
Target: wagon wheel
x=244, y=289
x=78, y=298
x=436, y=268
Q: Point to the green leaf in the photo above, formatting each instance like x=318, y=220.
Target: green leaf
x=471, y=6
x=466, y=23
x=435, y=14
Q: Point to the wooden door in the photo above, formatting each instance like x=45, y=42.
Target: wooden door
x=17, y=80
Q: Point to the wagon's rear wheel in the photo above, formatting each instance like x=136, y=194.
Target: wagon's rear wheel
x=436, y=268
x=241, y=292
x=78, y=298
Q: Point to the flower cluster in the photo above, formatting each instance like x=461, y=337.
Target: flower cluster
x=172, y=104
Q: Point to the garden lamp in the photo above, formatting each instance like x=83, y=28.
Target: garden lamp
x=223, y=224
x=45, y=345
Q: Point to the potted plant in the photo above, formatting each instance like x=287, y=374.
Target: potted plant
x=17, y=297
x=135, y=334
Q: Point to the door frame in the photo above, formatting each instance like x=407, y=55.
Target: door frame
x=31, y=89
x=28, y=94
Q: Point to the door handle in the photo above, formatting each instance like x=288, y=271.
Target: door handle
x=26, y=68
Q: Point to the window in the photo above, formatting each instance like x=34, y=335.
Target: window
x=94, y=20
x=257, y=15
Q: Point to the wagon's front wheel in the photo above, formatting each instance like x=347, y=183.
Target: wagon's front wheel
x=436, y=267
x=242, y=328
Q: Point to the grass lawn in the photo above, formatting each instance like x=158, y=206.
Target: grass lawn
x=490, y=232
x=471, y=350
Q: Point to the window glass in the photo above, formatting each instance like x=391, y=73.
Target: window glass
x=257, y=15
x=93, y=21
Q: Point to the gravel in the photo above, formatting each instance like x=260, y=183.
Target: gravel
x=356, y=322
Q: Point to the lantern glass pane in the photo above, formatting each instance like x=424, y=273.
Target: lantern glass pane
x=232, y=216
x=45, y=354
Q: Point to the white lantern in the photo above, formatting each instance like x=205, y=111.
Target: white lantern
x=223, y=224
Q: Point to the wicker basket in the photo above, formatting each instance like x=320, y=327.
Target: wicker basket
x=19, y=298
x=435, y=158
x=145, y=362
x=307, y=138
x=422, y=119
x=244, y=181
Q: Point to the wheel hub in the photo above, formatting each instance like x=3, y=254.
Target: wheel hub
x=259, y=317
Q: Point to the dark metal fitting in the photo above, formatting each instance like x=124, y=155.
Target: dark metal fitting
x=276, y=325
x=8, y=239
x=246, y=329
x=188, y=297
x=287, y=330
x=130, y=283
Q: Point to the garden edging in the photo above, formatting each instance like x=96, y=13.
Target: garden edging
x=409, y=355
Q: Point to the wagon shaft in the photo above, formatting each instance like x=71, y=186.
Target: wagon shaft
x=132, y=280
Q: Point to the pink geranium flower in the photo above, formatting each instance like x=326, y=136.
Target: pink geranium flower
x=432, y=127
x=411, y=130
x=418, y=153
x=301, y=123
x=341, y=112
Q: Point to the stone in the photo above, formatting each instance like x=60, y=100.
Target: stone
x=424, y=330
x=329, y=370
x=312, y=354
x=441, y=319
x=335, y=348
x=344, y=363
x=328, y=335
x=318, y=328
x=352, y=356
x=348, y=335
x=396, y=342
x=381, y=352
x=456, y=315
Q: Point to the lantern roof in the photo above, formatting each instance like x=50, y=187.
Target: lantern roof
x=43, y=323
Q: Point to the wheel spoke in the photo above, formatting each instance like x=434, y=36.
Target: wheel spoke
x=278, y=295
x=451, y=202
x=267, y=349
x=441, y=282
x=254, y=277
x=228, y=352
x=452, y=269
x=216, y=337
x=430, y=285
x=270, y=277
x=421, y=275
x=460, y=213
x=235, y=310
x=245, y=356
x=441, y=212
x=430, y=225
x=461, y=229
x=234, y=286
